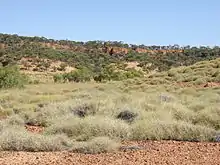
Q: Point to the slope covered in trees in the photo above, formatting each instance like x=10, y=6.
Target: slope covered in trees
x=96, y=56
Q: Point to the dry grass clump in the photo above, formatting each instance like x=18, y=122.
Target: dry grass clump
x=96, y=145
x=175, y=130
x=200, y=81
x=92, y=126
x=18, y=139
x=208, y=118
x=14, y=120
x=89, y=112
x=44, y=116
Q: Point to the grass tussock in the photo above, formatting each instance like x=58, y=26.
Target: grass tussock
x=161, y=130
x=92, y=115
x=96, y=145
x=89, y=127
x=15, y=139
x=14, y=120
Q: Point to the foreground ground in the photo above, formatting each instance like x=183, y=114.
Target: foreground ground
x=164, y=152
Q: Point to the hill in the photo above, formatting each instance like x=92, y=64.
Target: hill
x=150, y=102
x=200, y=74
x=39, y=54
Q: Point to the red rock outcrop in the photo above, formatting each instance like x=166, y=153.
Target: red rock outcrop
x=116, y=50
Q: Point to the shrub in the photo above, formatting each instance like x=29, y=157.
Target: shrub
x=172, y=73
x=58, y=78
x=96, y=146
x=132, y=73
x=110, y=73
x=217, y=78
x=84, y=110
x=91, y=126
x=200, y=81
x=13, y=139
x=80, y=75
x=15, y=120
x=44, y=116
x=127, y=116
x=161, y=130
x=11, y=77
x=207, y=118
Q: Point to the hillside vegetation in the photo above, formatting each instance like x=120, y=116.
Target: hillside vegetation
x=94, y=118
x=157, y=93
x=200, y=73
x=96, y=57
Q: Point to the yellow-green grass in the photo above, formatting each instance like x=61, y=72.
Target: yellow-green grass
x=163, y=112
x=197, y=74
x=32, y=95
x=158, y=103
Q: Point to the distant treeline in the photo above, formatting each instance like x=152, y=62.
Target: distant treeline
x=92, y=54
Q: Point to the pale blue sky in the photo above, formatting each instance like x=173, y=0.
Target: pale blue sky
x=160, y=22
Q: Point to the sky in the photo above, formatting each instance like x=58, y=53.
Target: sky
x=149, y=22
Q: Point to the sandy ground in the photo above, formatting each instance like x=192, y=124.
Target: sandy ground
x=152, y=153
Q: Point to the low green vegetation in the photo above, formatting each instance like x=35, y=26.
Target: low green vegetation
x=93, y=55
x=11, y=77
x=110, y=102
x=198, y=74
x=106, y=74
x=94, y=118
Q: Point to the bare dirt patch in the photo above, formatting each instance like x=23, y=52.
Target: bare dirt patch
x=154, y=153
x=34, y=129
x=40, y=65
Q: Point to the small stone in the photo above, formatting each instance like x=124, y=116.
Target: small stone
x=217, y=138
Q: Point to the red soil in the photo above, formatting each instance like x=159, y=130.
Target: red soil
x=34, y=129
x=154, y=153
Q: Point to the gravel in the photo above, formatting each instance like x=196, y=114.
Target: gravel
x=156, y=153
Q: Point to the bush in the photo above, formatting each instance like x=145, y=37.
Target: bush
x=200, y=81
x=11, y=77
x=127, y=116
x=14, y=120
x=45, y=115
x=207, y=118
x=110, y=73
x=172, y=73
x=176, y=130
x=91, y=126
x=84, y=110
x=132, y=73
x=96, y=146
x=217, y=78
x=14, y=139
x=58, y=78
x=80, y=75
